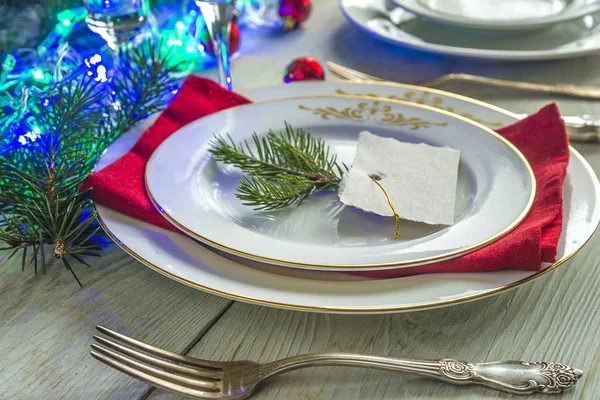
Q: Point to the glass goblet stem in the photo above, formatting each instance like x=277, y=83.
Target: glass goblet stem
x=217, y=16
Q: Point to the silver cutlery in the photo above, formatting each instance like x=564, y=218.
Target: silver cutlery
x=239, y=379
x=583, y=128
x=565, y=89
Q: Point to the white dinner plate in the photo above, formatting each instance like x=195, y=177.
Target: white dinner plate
x=397, y=26
x=496, y=186
x=500, y=15
x=183, y=259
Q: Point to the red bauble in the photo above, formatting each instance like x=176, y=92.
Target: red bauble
x=295, y=10
x=304, y=69
x=234, y=39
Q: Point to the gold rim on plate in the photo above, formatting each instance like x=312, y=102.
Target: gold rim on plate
x=423, y=306
x=362, y=267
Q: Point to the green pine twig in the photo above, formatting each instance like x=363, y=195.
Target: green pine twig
x=271, y=194
x=40, y=200
x=282, y=168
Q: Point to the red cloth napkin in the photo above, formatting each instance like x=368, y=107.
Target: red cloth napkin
x=541, y=137
x=121, y=185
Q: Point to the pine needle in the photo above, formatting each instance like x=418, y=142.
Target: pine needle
x=282, y=168
x=68, y=266
x=263, y=194
x=40, y=200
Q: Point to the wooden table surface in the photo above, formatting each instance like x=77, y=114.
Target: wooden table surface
x=47, y=322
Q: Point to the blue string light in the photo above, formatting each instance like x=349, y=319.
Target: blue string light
x=36, y=68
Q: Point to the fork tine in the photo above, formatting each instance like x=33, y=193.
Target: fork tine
x=362, y=75
x=197, y=383
x=341, y=71
x=159, y=352
x=149, y=379
x=350, y=73
x=207, y=374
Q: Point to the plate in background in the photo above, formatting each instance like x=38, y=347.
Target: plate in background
x=394, y=25
x=501, y=15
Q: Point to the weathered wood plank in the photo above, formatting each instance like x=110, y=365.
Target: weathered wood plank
x=47, y=325
x=47, y=322
x=554, y=318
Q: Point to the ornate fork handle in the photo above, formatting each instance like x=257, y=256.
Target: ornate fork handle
x=515, y=377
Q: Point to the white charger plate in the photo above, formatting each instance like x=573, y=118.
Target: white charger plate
x=181, y=258
x=496, y=186
x=500, y=15
x=397, y=26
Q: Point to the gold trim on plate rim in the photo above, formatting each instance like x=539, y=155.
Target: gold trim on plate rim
x=382, y=114
x=424, y=306
x=362, y=267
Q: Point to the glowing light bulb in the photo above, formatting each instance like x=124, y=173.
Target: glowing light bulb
x=38, y=74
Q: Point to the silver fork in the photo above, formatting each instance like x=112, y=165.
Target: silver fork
x=239, y=379
x=564, y=89
x=582, y=128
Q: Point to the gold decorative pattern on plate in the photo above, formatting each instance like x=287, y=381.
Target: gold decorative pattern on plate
x=376, y=111
x=428, y=99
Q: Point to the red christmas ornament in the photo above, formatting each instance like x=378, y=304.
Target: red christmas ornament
x=294, y=12
x=304, y=69
x=234, y=39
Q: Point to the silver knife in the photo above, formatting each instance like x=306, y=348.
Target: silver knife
x=583, y=128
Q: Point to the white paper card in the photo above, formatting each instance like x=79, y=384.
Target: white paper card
x=420, y=179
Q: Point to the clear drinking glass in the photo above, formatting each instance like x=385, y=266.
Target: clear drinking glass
x=120, y=21
x=217, y=16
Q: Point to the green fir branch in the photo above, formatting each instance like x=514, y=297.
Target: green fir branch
x=272, y=194
x=283, y=168
x=41, y=204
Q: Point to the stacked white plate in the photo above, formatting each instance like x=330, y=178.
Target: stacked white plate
x=301, y=258
x=483, y=29
x=495, y=190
